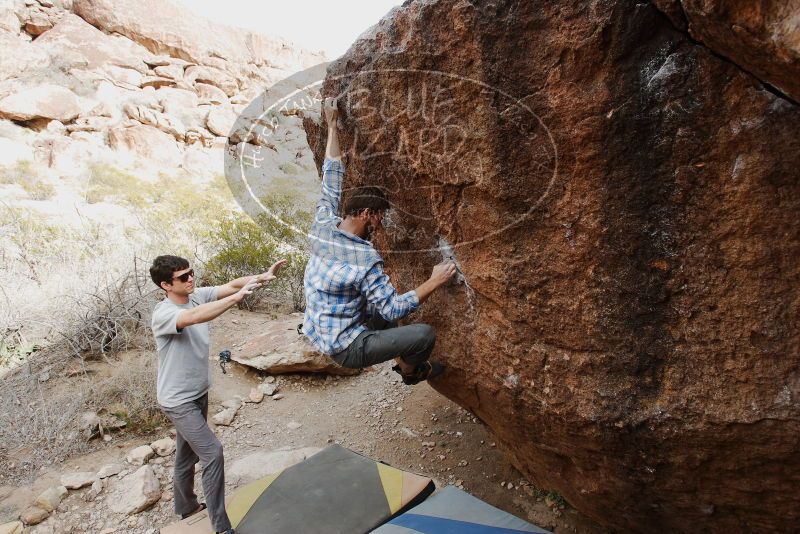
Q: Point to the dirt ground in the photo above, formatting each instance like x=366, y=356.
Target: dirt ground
x=373, y=413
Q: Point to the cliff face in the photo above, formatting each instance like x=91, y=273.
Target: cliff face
x=623, y=203
x=144, y=85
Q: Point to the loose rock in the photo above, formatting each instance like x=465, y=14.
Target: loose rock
x=256, y=395
x=136, y=492
x=225, y=417
x=163, y=447
x=140, y=455
x=33, y=515
x=268, y=388
x=109, y=470
x=77, y=480
x=49, y=499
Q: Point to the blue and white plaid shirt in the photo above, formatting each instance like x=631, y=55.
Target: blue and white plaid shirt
x=344, y=279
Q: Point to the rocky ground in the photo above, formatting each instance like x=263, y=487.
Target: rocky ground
x=373, y=413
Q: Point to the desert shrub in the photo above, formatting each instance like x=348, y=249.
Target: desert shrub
x=13, y=174
x=14, y=347
x=242, y=249
x=42, y=422
x=289, y=169
x=25, y=174
x=129, y=392
x=242, y=246
x=290, y=281
x=29, y=240
x=105, y=182
x=39, y=189
x=110, y=317
x=108, y=183
x=50, y=387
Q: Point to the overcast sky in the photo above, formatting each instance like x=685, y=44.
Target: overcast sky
x=313, y=24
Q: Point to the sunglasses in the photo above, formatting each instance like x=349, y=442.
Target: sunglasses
x=185, y=276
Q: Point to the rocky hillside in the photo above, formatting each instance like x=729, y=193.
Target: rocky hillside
x=144, y=86
x=618, y=182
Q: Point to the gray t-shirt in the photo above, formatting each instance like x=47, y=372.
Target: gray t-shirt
x=183, y=372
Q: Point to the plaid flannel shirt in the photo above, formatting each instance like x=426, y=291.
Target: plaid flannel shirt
x=344, y=279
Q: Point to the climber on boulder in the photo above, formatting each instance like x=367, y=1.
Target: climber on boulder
x=352, y=308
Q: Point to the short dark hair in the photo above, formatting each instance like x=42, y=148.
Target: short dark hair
x=164, y=266
x=367, y=197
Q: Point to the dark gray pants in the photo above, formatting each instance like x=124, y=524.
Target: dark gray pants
x=195, y=441
x=384, y=340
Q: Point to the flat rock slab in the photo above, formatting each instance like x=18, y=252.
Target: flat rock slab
x=77, y=480
x=42, y=102
x=109, y=470
x=280, y=349
x=14, y=527
x=260, y=464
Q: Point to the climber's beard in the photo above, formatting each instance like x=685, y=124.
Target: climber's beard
x=369, y=229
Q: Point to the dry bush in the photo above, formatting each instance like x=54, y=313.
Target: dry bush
x=42, y=422
x=243, y=246
x=111, y=318
x=129, y=392
x=45, y=396
x=38, y=422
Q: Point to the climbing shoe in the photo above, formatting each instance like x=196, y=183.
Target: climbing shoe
x=423, y=371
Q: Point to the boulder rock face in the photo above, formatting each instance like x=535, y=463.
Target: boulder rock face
x=623, y=207
x=762, y=37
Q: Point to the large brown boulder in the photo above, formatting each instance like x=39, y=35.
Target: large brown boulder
x=761, y=37
x=623, y=205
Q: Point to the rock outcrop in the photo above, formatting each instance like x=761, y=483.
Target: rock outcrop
x=623, y=206
x=147, y=87
x=281, y=350
x=188, y=36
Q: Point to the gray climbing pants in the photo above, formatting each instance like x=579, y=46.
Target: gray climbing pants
x=383, y=340
x=196, y=442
